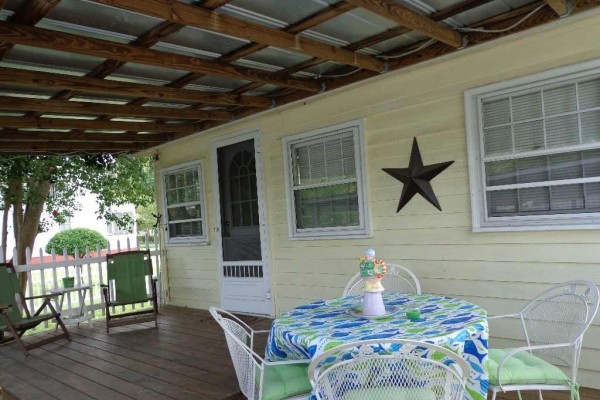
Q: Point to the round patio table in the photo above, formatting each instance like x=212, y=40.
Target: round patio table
x=308, y=330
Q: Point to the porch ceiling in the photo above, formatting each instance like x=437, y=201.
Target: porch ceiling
x=83, y=76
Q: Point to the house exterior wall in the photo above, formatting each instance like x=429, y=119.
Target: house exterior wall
x=499, y=271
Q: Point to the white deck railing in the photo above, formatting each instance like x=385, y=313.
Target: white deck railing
x=45, y=272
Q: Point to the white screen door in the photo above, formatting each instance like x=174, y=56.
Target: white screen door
x=241, y=230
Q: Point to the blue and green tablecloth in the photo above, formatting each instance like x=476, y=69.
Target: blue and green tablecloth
x=308, y=330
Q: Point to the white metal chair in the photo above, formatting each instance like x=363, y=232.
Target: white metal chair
x=260, y=379
x=397, y=279
x=389, y=369
x=553, y=326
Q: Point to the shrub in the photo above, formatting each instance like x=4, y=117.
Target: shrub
x=76, y=238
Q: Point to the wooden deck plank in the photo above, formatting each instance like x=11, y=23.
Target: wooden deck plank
x=21, y=389
x=40, y=374
x=186, y=358
x=202, y=375
x=86, y=380
x=180, y=353
x=115, y=382
x=154, y=378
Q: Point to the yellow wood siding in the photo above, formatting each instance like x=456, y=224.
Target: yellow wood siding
x=498, y=271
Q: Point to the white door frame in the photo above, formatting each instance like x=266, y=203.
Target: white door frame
x=260, y=190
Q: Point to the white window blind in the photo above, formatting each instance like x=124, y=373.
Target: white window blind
x=547, y=122
x=534, y=148
x=325, y=182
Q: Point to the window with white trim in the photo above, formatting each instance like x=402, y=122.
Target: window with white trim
x=325, y=181
x=534, y=152
x=184, y=203
x=113, y=228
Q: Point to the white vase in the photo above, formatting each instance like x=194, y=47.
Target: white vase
x=373, y=304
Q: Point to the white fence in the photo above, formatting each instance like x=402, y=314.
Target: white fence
x=45, y=272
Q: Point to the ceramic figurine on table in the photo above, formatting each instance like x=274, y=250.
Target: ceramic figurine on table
x=371, y=271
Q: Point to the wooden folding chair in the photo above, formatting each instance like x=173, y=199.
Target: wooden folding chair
x=129, y=276
x=11, y=316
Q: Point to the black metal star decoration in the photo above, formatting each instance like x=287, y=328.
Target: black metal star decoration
x=416, y=178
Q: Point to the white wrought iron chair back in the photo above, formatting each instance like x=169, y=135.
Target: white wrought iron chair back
x=375, y=369
x=239, y=341
x=561, y=315
x=397, y=279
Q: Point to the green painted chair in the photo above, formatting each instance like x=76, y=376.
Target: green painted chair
x=12, y=319
x=129, y=277
x=553, y=325
x=260, y=379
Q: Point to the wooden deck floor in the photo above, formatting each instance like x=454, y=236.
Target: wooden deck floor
x=186, y=358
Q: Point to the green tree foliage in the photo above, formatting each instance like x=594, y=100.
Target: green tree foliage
x=76, y=238
x=144, y=217
x=31, y=184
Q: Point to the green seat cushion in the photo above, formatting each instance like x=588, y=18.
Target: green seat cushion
x=391, y=393
x=282, y=381
x=24, y=322
x=523, y=369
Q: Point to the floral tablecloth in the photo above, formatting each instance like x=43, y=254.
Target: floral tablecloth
x=308, y=330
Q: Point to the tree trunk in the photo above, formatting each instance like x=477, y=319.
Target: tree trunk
x=4, y=237
x=27, y=221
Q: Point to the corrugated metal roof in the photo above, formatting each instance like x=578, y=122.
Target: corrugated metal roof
x=348, y=29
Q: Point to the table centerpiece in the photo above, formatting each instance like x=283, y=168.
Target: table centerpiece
x=371, y=271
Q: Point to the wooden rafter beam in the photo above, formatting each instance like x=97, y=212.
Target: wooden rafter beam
x=147, y=39
x=297, y=27
x=88, y=108
x=411, y=19
x=23, y=135
x=62, y=123
x=30, y=13
x=55, y=40
x=440, y=15
x=437, y=16
x=498, y=22
x=58, y=147
x=177, y=12
x=306, y=23
x=212, y=4
x=560, y=7
x=12, y=76
x=438, y=49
